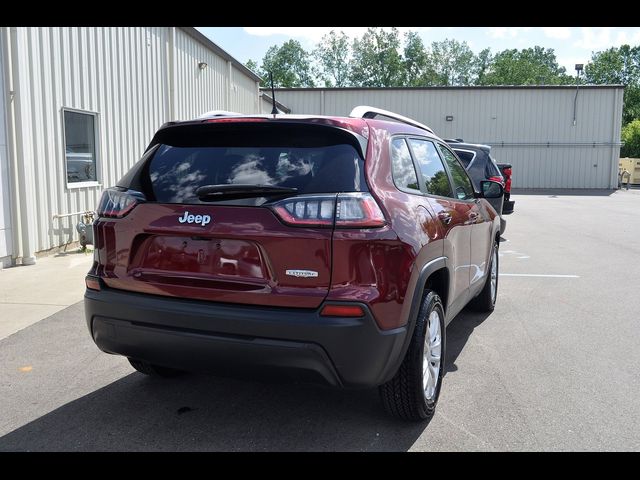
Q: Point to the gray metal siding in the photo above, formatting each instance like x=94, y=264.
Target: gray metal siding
x=530, y=118
x=220, y=86
x=122, y=74
x=6, y=243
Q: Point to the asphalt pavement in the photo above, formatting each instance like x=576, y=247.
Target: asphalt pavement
x=553, y=368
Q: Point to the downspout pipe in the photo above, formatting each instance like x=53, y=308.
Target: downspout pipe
x=23, y=251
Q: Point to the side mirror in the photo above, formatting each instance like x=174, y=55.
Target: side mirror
x=491, y=189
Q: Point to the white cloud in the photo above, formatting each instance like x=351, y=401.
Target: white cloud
x=507, y=32
x=602, y=38
x=595, y=38
x=315, y=34
x=561, y=33
x=628, y=38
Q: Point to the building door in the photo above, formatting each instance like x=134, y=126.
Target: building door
x=6, y=249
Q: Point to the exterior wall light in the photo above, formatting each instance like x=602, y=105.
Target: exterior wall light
x=202, y=65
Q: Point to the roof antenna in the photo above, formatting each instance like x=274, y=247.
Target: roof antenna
x=274, y=110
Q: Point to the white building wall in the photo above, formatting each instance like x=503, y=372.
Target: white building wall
x=532, y=128
x=6, y=241
x=125, y=76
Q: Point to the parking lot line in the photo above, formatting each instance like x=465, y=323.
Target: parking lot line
x=537, y=275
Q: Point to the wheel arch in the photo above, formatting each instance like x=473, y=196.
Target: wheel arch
x=433, y=275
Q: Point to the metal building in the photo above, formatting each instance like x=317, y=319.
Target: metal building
x=79, y=106
x=555, y=136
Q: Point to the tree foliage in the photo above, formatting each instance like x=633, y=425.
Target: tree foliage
x=529, y=66
x=414, y=61
x=290, y=65
x=631, y=139
x=376, y=59
x=332, y=55
x=618, y=66
x=450, y=63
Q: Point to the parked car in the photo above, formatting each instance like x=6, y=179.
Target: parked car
x=477, y=160
x=330, y=249
x=508, y=204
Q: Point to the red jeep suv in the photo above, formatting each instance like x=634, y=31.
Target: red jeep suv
x=331, y=249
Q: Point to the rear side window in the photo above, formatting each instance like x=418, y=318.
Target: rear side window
x=465, y=157
x=434, y=176
x=492, y=168
x=461, y=183
x=176, y=172
x=404, y=172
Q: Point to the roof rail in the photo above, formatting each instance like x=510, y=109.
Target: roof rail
x=219, y=113
x=364, y=111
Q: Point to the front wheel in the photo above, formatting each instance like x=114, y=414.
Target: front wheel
x=413, y=392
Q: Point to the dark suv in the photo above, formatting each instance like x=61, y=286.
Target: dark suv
x=332, y=249
x=480, y=165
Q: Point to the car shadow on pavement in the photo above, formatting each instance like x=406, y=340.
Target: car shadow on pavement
x=189, y=413
x=205, y=413
x=458, y=333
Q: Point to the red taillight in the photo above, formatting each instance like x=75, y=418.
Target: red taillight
x=507, y=184
x=92, y=283
x=342, y=311
x=358, y=210
x=353, y=210
x=117, y=203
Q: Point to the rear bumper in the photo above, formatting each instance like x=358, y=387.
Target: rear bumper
x=241, y=339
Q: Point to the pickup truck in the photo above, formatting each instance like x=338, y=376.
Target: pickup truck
x=508, y=204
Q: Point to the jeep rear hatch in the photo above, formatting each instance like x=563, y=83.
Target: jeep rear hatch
x=239, y=212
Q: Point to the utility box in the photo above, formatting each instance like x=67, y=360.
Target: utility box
x=631, y=165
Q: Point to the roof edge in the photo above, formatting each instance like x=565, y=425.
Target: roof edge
x=461, y=87
x=207, y=42
x=281, y=106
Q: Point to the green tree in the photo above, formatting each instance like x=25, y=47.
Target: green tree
x=482, y=65
x=376, y=60
x=289, y=64
x=450, y=63
x=332, y=54
x=618, y=66
x=414, y=60
x=253, y=66
x=631, y=139
x=529, y=66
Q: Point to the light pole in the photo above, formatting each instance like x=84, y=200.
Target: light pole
x=579, y=67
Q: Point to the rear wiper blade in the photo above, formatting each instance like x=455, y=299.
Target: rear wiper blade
x=213, y=192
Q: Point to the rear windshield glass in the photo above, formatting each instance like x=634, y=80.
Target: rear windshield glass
x=176, y=172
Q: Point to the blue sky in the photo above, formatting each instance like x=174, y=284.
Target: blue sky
x=571, y=44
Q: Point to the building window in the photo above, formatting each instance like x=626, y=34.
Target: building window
x=80, y=147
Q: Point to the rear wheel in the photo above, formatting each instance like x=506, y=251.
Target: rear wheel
x=486, y=300
x=413, y=392
x=154, y=370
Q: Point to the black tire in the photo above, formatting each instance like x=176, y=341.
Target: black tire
x=485, y=301
x=152, y=370
x=404, y=396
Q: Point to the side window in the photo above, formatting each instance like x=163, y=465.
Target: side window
x=80, y=146
x=465, y=157
x=432, y=171
x=404, y=172
x=461, y=183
